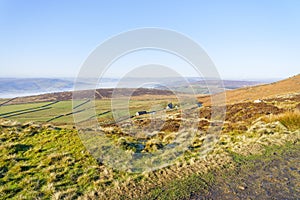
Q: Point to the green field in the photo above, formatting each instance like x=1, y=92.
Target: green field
x=38, y=116
x=35, y=112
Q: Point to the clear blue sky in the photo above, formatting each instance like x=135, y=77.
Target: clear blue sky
x=245, y=39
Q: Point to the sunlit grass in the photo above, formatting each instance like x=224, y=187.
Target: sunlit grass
x=290, y=119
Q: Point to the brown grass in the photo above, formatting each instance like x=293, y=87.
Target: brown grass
x=273, y=90
x=289, y=119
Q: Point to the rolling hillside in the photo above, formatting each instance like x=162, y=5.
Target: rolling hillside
x=285, y=88
x=42, y=155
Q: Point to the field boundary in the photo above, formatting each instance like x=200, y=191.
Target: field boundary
x=5, y=102
x=30, y=111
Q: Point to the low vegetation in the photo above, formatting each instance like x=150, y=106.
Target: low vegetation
x=44, y=161
x=290, y=119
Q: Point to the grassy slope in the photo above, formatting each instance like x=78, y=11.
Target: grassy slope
x=280, y=88
x=47, y=162
x=40, y=162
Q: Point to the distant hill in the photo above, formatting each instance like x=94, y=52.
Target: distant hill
x=52, y=89
x=99, y=94
x=10, y=87
x=16, y=87
x=201, y=86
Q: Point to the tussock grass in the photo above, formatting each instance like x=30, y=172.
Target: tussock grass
x=290, y=119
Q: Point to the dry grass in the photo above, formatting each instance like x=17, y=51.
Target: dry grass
x=290, y=119
x=273, y=90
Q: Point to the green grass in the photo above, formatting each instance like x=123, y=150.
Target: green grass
x=40, y=163
x=10, y=108
x=64, y=107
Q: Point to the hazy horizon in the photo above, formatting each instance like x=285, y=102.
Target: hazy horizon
x=117, y=77
x=18, y=87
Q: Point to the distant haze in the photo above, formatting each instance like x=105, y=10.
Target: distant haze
x=16, y=87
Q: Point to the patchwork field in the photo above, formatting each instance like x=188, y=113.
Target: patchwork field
x=53, y=111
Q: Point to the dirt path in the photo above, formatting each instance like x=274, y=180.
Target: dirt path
x=274, y=177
